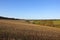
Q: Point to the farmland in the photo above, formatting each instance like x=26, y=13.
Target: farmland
x=20, y=30
x=51, y=22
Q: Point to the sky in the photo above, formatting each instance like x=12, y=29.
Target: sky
x=30, y=9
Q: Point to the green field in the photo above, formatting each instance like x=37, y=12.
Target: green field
x=52, y=23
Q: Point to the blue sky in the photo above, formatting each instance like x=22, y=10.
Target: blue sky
x=30, y=9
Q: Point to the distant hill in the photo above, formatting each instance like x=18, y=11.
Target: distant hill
x=8, y=18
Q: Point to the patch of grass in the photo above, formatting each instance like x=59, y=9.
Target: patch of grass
x=51, y=23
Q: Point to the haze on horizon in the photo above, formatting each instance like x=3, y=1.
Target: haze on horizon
x=30, y=9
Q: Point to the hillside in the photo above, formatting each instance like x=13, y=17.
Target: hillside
x=46, y=22
x=17, y=30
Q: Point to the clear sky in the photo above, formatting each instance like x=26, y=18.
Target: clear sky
x=30, y=9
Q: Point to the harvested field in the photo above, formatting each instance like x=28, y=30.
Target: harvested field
x=17, y=30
